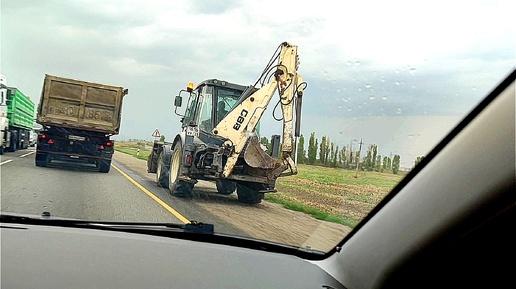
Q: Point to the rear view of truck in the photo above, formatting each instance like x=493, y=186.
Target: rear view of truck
x=78, y=119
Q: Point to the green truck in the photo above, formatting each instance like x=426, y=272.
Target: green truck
x=16, y=119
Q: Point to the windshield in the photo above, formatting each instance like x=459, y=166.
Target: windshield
x=381, y=84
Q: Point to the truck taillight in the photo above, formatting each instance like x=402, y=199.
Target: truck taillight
x=109, y=144
x=188, y=160
x=43, y=136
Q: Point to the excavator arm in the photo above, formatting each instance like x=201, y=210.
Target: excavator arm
x=239, y=124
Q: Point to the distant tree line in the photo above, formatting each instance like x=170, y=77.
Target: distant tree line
x=326, y=153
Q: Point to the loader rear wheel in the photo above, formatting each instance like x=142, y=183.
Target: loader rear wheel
x=225, y=187
x=177, y=187
x=162, y=172
x=248, y=194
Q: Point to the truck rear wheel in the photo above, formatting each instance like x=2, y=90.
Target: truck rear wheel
x=225, y=187
x=42, y=159
x=104, y=166
x=247, y=193
x=162, y=172
x=177, y=187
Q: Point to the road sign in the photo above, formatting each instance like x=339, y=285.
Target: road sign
x=156, y=133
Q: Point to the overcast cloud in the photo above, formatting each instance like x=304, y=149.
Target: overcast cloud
x=396, y=73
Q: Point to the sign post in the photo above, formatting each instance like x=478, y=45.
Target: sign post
x=156, y=134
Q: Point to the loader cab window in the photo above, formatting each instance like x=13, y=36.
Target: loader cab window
x=190, y=110
x=227, y=99
x=205, y=108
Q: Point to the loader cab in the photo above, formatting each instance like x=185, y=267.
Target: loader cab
x=210, y=102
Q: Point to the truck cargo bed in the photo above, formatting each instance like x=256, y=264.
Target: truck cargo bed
x=79, y=104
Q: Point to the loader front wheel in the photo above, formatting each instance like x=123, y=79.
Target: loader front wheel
x=178, y=187
x=248, y=194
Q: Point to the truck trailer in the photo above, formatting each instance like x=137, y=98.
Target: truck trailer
x=78, y=119
x=16, y=118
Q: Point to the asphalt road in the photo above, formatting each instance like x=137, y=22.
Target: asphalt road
x=77, y=190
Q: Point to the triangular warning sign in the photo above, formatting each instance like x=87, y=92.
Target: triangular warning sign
x=156, y=133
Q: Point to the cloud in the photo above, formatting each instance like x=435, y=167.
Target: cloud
x=361, y=60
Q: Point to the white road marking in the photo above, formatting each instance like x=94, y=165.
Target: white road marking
x=7, y=161
x=22, y=156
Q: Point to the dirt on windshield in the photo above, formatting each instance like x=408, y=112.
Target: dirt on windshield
x=267, y=221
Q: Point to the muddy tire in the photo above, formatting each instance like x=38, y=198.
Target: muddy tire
x=162, y=171
x=248, y=194
x=225, y=187
x=177, y=187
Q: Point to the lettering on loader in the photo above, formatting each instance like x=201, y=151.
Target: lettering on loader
x=240, y=119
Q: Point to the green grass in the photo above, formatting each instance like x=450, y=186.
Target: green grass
x=311, y=211
x=332, y=176
x=144, y=154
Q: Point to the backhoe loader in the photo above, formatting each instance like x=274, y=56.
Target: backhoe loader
x=219, y=138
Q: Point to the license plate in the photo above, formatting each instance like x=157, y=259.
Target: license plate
x=76, y=137
x=192, y=131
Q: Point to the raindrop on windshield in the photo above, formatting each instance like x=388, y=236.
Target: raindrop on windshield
x=372, y=97
x=412, y=71
x=398, y=111
x=397, y=83
x=384, y=97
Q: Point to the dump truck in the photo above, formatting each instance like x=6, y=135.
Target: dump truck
x=16, y=118
x=219, y=140
x=78, y=119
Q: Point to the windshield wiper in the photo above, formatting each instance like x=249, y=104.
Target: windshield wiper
x=201, y=232
x=47, y=219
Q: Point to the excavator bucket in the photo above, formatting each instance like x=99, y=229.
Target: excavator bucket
x=260, y=163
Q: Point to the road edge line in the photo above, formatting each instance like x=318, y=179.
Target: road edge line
x=158, y=200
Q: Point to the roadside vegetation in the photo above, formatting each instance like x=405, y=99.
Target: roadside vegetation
x=334, y=194
x=327, y=193
x=140, y=150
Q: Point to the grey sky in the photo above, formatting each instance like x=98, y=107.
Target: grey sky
x=367, y=64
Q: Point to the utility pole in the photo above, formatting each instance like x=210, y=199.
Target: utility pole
x=358, y=157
